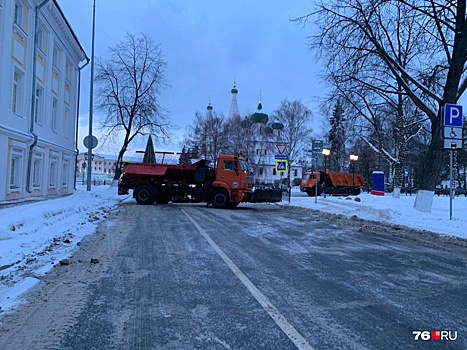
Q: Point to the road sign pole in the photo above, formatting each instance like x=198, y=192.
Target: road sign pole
x=451, y=156
x=316, y=185
x=453, y=140
x=282, y=192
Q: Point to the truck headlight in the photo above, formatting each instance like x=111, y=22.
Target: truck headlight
x=235, y=184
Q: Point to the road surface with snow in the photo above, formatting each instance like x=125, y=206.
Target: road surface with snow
x=261, y=276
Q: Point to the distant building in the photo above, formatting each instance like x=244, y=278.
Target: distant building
x=38, y=99
x=100, y=164
x=263, y=141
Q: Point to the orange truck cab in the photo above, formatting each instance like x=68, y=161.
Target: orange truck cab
x=234, y=177
x=309, y=181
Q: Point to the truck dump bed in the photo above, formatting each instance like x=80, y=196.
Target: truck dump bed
x=339, y=183
x=171, y=172
x=336, y=178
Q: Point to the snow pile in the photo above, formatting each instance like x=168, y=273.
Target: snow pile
x=34, y=236
x=398, y=211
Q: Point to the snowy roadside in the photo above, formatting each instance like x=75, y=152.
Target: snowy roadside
x=395, y=211
x=36, y=236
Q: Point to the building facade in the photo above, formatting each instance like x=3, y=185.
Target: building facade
x=39, y=77
x=100, y=164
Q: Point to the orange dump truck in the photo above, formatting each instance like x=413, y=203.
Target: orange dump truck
x=333, y=183
x=225, y=187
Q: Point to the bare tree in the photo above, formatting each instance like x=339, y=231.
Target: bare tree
x=236, y=131
x=370, y=35
x=129, y=85
x=206, y=135
x=294, y=116
x=389, y=125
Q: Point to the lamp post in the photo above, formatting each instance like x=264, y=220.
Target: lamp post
x=326, y=154
x=353, y=159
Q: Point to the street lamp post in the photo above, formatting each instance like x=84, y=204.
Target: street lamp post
x=353, y=159
x=326, y=154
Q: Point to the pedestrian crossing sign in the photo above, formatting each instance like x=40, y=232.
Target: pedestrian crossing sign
x=282, y=166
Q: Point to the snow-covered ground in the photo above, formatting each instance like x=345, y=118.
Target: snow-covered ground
x=398, y=211
x=36, y=235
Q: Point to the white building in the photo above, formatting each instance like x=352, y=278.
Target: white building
x=38, y=117
x=100, y=164
x=262, y=143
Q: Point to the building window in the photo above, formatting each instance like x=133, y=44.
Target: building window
x=37, y=172
x=16, y=166
x=39, y=105
x=19, y=13
x=40, y=38
x=56, y=57
x=16, y=104
x=65, y=169
x=54, y=125
x=295, y=172
x=274, y=171
x=68, y=71
x=53, y=172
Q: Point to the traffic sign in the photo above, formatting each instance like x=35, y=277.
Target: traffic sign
x=452, y=115
x=280, y=156
x=90, y=141
x=452, y=144
x=282, y=166
x=281, y=148
x=452, y=133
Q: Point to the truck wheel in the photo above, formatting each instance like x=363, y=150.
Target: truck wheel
x=144, y=195
x=220, y=199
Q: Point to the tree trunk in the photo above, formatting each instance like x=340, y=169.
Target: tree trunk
x=118, y=169
x=397, y=180
x=431, y=168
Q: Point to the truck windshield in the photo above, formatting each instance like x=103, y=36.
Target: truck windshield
x=244, y=166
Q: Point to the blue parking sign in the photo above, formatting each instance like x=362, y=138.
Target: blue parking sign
x=452, y=115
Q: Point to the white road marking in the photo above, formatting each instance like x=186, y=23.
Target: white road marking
x=280, y=320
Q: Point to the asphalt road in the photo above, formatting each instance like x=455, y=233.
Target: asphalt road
x=257, y=277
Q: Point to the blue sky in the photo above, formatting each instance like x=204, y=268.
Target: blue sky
x=206, y=44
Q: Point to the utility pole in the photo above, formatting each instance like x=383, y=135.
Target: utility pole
x=91, y=99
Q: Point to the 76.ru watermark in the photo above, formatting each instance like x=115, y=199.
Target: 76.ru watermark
x=434, y=335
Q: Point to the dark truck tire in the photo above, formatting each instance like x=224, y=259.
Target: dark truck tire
x=220, y=199
x=145, y=194
x=312, y=191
